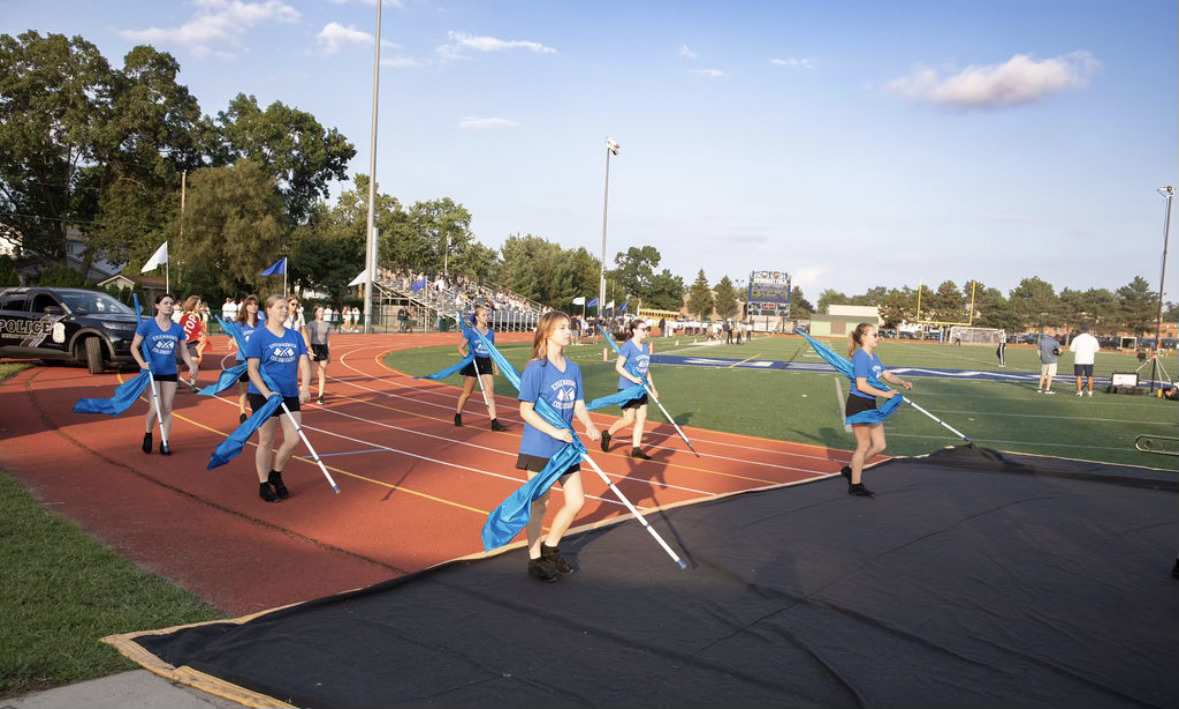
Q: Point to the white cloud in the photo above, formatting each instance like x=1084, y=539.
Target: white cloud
x=480, y=123
x=1021, y=79
x=334, y=37
x=794, y=62
x=687, y=53
x=710, y=73
x=218, y=26
x=460, y=41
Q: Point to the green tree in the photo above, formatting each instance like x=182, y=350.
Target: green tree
x=700, y=302
x=992, y=309
x=9, y=276
x=946, y=305
x=800, y=307
x=725, y=299
x=667, y=291
x=635, y=269
x=292, y=147
x=233, y=229
x=54, y=95
x=898, y=305
x=1139, y=306
x=831, y=297
x=1035, y=303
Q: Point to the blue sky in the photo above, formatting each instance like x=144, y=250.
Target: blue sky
x=851, y=144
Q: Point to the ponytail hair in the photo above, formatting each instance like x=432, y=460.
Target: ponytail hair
x=856, y=338
x=544, y=329
x=628, y=329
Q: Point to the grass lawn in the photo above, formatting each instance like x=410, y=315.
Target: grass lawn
x=60, y=591
x=807, y=406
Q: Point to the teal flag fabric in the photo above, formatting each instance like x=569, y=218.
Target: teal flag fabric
x=844, y=367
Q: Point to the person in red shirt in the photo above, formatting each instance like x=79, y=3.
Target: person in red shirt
x=194, y=331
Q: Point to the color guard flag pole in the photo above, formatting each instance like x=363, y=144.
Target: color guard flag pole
x=314, y=455
x=155, y=393
x=652, y=396
x=935, y=418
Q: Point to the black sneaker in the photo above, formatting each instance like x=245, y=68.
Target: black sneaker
x=859, y=490
x=542, y=570
x=497, y=426
x=241, y=418
x=266, y=493
x=458, y=419
x=845, y=471
x=319, y=401
x=606, y=441
x=275, y=481
x=165, y=449
x=147, y=443
x=553, y=556
x=638, y=453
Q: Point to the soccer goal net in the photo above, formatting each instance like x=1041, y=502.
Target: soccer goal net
x=974, y=335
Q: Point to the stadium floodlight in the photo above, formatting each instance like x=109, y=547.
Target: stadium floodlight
x=612, y=148
x=1169, y=193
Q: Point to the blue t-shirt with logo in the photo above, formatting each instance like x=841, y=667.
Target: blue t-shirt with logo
x=161, y=344
x=865, y=365
x=278, y=356
x=246, y=330
x=474, y=344
x=542, y=380
x=639, y=356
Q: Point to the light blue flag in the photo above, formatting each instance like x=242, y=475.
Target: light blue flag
x=513, y=514
x=629, y=394
x=844, y=367
x=230, y=376
x=229, y=449
x=444, y=373
x=127, y=393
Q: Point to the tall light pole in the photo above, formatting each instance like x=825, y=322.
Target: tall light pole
x=612, y=148
x=1169, y=193
x=370, y=234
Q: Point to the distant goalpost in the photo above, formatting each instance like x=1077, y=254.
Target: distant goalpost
x=974, y=335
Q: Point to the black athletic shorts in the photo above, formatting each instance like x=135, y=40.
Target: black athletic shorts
x=858, y=404
x=536, y=464
x=634, y=403
x=173, y=377
x=319, y=353
x=245, y=377
x=257, y=401
x=484, y=366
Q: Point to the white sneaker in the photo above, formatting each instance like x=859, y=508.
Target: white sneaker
x=1079, y=394
x=1049, y=392
x=1039, y=391
x=1090, y=392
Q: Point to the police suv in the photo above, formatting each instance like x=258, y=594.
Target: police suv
x=70, y=324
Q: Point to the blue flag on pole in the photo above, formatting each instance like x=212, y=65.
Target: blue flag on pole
x=622, y=308
x=278, y=269
x=418, y=285
x=230, y=376
x=512, y=515
x=592, y=303
x=124, y=396
x=845, y=368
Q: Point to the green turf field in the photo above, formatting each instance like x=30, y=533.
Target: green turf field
x=807, y=406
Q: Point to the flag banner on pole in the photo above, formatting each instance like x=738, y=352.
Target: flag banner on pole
x=844, y=367
x=579, y=300
x=277, y=269
x=592, y=303
x=230, y=376
x=125, y=395
x=610, y=304
x=618, y=398
x=512, y=515
x=157, y=259
x=361, y=279
x=622, y=308
x=418, y=285
x=453, y=369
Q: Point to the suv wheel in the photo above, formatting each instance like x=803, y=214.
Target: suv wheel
x=93, y=355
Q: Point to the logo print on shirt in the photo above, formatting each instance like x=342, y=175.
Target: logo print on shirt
x=564, y=394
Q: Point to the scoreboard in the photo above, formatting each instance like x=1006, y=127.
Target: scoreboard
x=769, y=293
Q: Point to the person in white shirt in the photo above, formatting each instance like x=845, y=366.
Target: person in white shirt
x=1084, y=348
x=229, y=310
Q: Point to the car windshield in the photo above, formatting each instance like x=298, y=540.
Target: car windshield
x=94, y=304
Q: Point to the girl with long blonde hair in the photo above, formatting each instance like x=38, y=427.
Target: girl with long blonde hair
x=862, y=397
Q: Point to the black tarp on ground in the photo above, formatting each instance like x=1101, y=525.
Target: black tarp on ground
x=963, y=584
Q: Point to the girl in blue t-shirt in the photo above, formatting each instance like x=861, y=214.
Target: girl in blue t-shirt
x=282, y=353
x=482, y=367
x=869, y=436
x=557, y=380
x=636, y=351
x=164, y=339
x=247, y=322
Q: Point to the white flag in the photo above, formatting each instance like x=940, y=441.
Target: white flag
x=158, y=258
x=361, y=279
x=579, y=300
x=610, y=304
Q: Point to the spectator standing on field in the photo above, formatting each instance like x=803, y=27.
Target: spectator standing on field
x=1049, y=350
x=1084, y=348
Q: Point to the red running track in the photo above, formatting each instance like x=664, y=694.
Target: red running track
x=415, y=489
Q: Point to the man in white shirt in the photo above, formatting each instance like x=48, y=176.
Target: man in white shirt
x=229, y=310
x=1084, y=348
